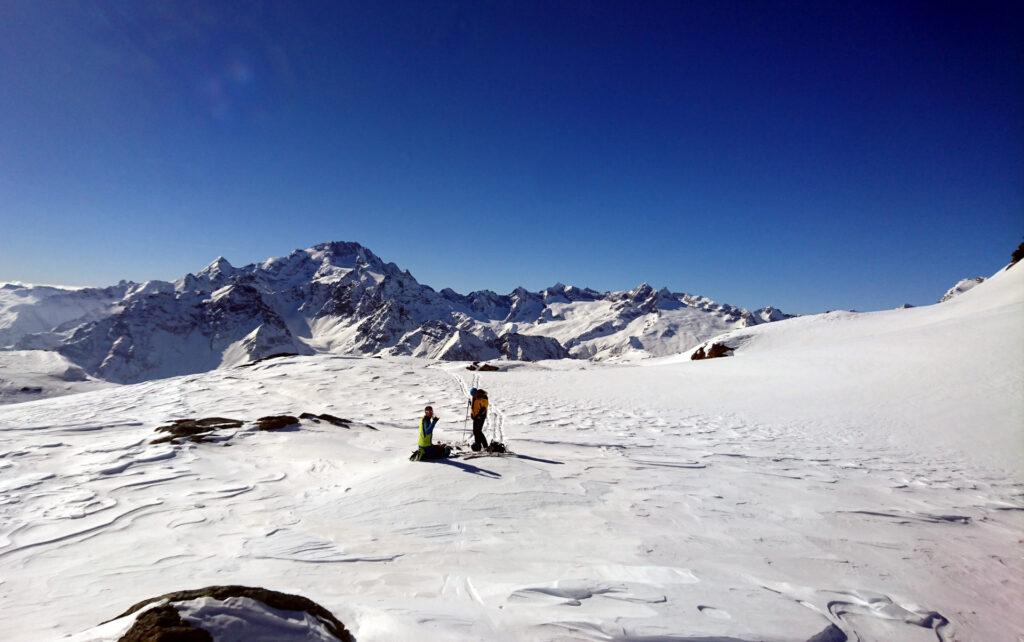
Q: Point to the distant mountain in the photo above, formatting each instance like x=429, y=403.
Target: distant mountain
x=961, y=286
x=28, y=309
x=340, y=297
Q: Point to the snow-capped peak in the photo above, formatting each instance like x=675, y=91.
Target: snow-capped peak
x=641, y=292
x=345, y=254
x=218, y=267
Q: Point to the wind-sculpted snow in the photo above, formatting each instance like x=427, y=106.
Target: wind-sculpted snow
x=691, y=500
x=342, y=298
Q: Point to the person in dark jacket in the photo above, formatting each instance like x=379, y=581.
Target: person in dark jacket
x=478, y=412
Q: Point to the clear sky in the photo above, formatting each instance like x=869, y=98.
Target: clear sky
x=807, y=155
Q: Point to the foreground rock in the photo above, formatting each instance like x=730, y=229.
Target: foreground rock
x=164, y=624
x=229, y=613
x=276, y=422
x=331, y=419
x=203, y=430
x=713, y=351
x=197, y=430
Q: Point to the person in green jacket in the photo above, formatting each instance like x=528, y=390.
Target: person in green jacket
x=427, y=424
x=426, y=449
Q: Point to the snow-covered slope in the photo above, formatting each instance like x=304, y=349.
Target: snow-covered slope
x=842, y=477
x=26, y=375
x=342, y=298
x=29, y=309
x=957, y=368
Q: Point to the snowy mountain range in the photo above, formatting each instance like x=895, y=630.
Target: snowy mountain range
x=341, y=298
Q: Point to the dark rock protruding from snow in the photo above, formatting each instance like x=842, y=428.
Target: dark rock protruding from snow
x=252, y=611
x=164, y=624
x=713, y=351
x=831, y=633
x=197, y=430
x=331, y=419
x=1017, y=255
x=202, y=430
x=276, y=422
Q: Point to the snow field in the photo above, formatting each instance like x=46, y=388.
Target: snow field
x=26, y=375
x=616, y=522
x=849, y=471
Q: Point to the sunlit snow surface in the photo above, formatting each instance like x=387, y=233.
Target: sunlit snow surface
x=857, y=470
x=27, y=375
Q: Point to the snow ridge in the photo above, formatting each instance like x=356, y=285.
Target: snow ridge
x=961, y=286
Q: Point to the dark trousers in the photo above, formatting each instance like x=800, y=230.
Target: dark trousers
x=479, y=441
x=433, y=452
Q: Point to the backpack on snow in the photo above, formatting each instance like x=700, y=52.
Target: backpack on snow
x=430, y=453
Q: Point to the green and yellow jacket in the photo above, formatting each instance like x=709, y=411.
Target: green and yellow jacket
x=427, y=431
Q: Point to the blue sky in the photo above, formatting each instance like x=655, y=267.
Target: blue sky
x=805, y=155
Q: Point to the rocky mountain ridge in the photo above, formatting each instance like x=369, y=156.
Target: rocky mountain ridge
x=340, y=297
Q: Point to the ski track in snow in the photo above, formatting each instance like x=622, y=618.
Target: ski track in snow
x=615, y=522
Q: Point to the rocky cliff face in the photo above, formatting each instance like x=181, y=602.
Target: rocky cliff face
x=341, y=297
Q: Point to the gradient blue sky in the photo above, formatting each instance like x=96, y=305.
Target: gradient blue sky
x=807, y=155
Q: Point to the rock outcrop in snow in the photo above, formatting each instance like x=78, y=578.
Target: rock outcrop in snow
x=711, y=350
x=342, y=298
x=230, y=612
x=1016, y=256
x=962, y=286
